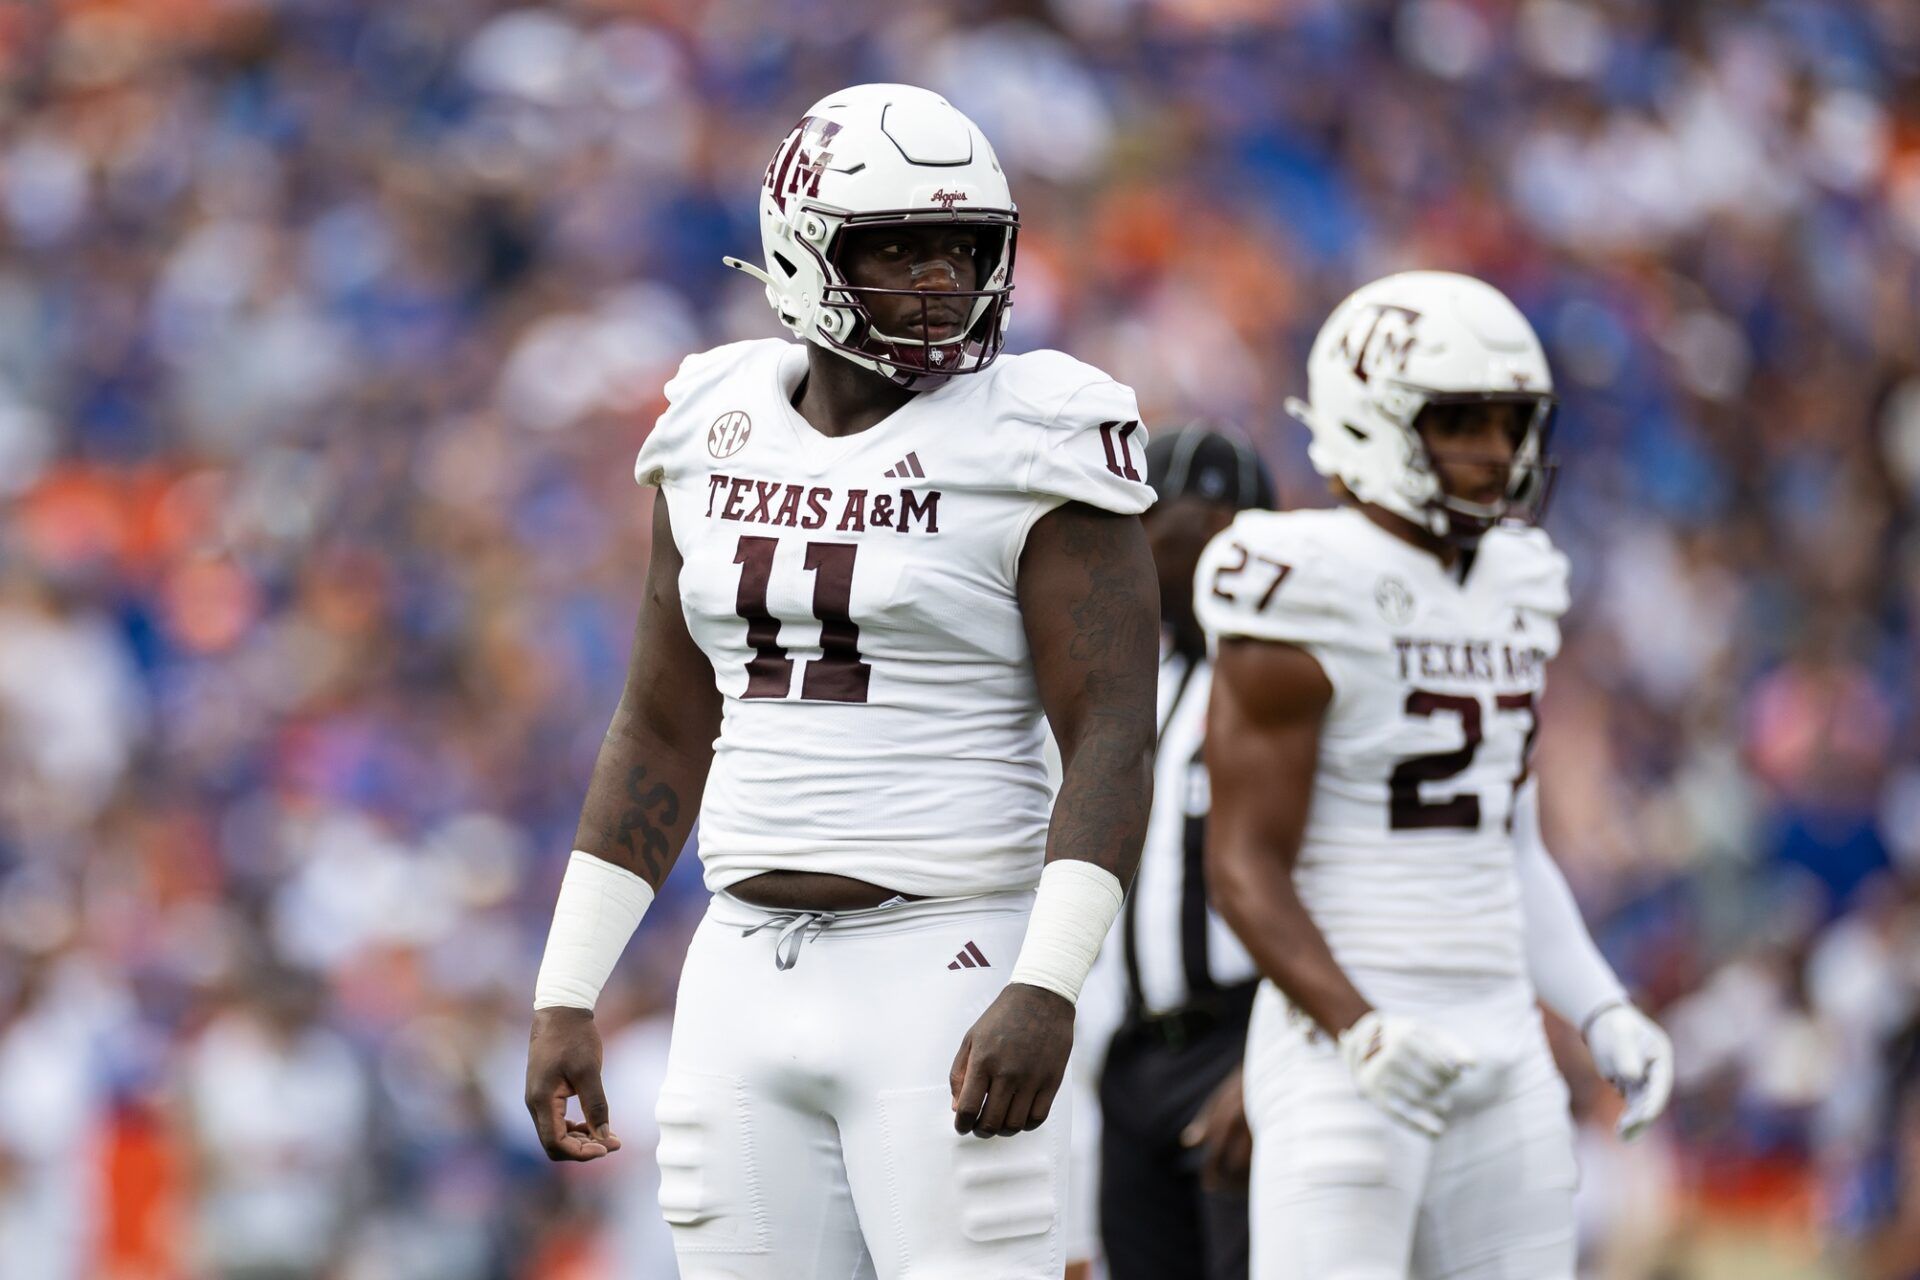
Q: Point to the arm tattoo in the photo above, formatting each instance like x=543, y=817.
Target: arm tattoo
x=644, y=795
x=652, y=768
x=639, y=834
x=1099, y=685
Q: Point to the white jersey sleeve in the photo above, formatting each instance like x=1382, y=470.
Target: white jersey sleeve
x=1091, y=447
x=1532, y=574
x=1270, y=576
x=678, y=444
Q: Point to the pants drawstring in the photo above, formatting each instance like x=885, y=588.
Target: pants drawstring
x=795, y=927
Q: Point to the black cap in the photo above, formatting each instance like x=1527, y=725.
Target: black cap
x=1207, y=463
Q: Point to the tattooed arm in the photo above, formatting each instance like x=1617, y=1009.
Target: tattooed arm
x=641, y=803
x=653, y=763
x=1090, y=602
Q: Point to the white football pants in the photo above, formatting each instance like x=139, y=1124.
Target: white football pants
x=1343, y=1191
x=806, y=1125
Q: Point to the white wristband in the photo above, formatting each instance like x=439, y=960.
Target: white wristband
x=1072, y=913
x=600, y=906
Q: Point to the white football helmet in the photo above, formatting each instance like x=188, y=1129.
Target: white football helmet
x=1400, y=344
x=878, y=155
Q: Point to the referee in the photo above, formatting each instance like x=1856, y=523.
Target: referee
x=1175, y=1148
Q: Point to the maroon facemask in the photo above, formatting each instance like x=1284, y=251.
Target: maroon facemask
x=983, y=311
x=1531, y=476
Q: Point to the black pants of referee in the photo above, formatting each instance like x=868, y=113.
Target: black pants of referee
x=1156, y=1222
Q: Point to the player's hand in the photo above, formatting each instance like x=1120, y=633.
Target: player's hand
x=563, y=1060
x=1635, y=1056
x=1221, y=1133
x=1406, y=1066
x=1011, y=1062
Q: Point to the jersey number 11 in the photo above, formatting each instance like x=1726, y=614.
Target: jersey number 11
x=839, y=674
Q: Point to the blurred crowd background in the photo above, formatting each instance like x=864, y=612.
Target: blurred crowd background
x=329, y=328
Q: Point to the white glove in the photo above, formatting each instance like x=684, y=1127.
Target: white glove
x=1632, y=1054
x=1405, y=1066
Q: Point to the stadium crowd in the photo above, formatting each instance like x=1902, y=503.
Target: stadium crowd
x=329, y=328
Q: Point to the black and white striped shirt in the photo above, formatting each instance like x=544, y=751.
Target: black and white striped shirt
x=1176, y=949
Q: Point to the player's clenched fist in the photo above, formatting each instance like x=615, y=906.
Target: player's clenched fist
x=1011, y=1062
x=563, y=1061
x=1406, y=1066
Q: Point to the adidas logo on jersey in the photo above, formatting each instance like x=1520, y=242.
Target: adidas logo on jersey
x=969, y=958
x=907, y=466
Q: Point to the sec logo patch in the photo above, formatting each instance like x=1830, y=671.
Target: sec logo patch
x=1394, y=601
x=728, y=434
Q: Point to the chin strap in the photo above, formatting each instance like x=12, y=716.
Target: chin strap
x=749, y=269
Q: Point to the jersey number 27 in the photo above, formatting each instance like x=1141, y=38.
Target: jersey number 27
x=1406, y=811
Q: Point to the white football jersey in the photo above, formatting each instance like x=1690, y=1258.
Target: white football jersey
x=1408, y=862
x=856, y=596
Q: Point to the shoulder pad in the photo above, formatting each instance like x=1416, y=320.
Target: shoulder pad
x=1278, y=575
x=1036, y=385
x=1530, y=570
x=1089, y=445
x=702, y=369
x=675, y=428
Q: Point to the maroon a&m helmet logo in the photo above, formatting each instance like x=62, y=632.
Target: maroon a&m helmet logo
x=1384, y=338
x=728, y=434
x=947, y=199
x=796, y=167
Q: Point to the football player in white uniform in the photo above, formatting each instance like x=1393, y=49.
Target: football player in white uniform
x=1375, y=836
x=880, y=554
